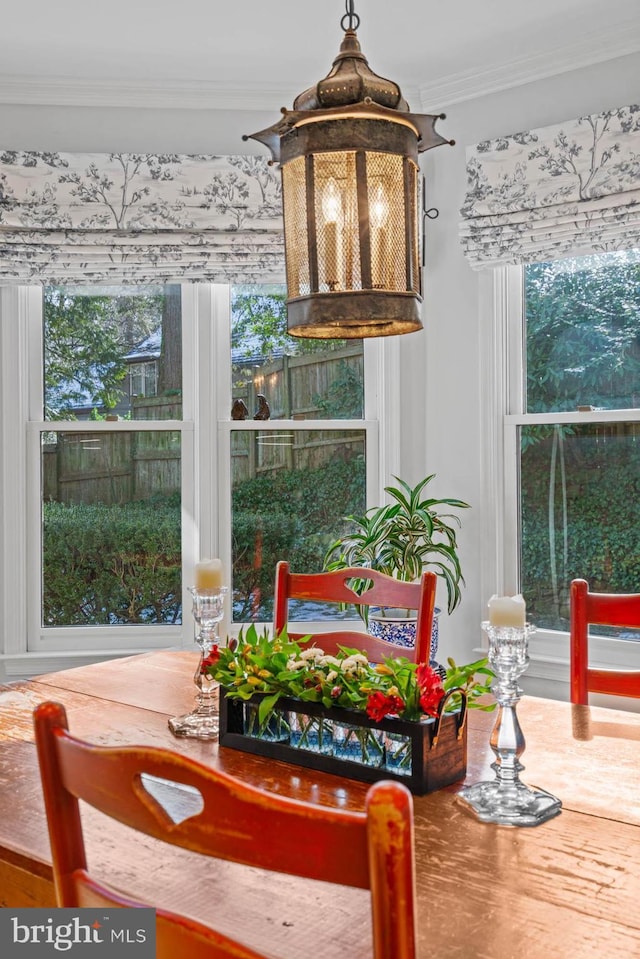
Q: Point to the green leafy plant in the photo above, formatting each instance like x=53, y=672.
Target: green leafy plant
x=404, y=538
x=279, y=667
x=107, y=565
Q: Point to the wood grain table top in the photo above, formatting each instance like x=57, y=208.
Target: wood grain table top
x=567, y=889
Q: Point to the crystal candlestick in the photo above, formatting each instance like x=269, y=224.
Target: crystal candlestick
x=506, y=800
x=203, y=722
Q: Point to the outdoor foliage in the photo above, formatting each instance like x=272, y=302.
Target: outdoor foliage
x=259, y=325
x=579, y=484
x=289, y=515
x=122, y=564
x=112, y=564
x=86, y=338
x=583, y=333
x=601, y=522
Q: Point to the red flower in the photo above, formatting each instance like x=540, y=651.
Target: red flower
x=211, y=659
x=379, y=706
x=335, y=692
x=431, y=689
x=430, y=701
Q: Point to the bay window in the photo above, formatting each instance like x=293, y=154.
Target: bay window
x=571, y=444
x=107, y=512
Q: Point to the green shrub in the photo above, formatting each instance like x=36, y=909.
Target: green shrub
x=108, y=565
x=291, y=515
x=601, y=525
x=111, y=565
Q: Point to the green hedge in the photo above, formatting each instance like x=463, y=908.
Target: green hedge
x=602, y=495
x=111, y=564
x=288, y=515
x=122, y=564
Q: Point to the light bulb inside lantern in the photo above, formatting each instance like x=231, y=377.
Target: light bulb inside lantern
x=379, y=209
x=332, y=213
x=331, y=202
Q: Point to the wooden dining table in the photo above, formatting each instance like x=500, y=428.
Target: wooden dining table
x=566, y=889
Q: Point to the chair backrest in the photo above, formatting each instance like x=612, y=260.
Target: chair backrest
x=601, y=609
x=233, y=821
x=384, y=591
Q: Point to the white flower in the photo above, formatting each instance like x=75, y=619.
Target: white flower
x=293, y=664
x=331, y=676
x=313, y=653
x=353, y=665
x=330, y=661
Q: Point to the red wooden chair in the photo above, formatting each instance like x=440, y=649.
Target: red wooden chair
x=334, y=587
x=238, y=822
x=602, y=609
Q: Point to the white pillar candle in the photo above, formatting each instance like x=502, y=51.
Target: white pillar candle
x=507, y=611
x=208, y=575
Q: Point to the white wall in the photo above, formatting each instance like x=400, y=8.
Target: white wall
x=441, y=383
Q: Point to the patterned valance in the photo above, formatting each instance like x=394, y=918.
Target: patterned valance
x=559, y=191
x=139, y=218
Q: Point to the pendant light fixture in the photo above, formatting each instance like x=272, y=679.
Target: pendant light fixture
x=348, y=153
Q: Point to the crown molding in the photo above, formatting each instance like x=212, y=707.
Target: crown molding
x=145, y=94
x=469, y=84
x=149, y=94
x=430, y=96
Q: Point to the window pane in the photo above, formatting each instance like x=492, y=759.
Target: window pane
x=111, y=544
x=112, y=352
x=277, y=376
x=583, y=333
x=290, y=493
x=580, y=515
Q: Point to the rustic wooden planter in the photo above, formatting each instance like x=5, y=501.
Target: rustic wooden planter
x=435, y=750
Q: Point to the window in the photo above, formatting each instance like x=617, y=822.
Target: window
x=300, y=449
x=109, y=543
x=143, y=378
x=112, y=496
x=572, y=434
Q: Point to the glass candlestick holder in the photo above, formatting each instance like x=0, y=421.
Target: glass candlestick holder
x=506, y=800
x=203, y=722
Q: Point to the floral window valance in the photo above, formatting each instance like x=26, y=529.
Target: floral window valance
x=139, y=218
x=558, y=191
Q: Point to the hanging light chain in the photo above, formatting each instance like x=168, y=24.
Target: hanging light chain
x=350, y=20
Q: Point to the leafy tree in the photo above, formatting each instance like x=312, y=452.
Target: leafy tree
x=259, y=326
x=86, y=338
x=583, y=333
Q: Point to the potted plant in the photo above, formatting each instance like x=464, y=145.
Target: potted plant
x=402, y=539
x=286, y=698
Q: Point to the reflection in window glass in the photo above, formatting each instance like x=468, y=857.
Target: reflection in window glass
x=583, y=333
x=580, y=490
x=112, y=352
x=291, y=491
x=277, y=376
x=111, y=543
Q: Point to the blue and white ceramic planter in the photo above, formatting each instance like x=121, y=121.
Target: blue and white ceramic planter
x=393, y=627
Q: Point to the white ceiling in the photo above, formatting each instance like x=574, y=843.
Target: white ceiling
x=260, y=54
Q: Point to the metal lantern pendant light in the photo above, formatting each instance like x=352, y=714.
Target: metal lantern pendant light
x=348, y=153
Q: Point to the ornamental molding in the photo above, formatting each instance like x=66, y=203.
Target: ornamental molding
x=17, y=89
x=470, y=84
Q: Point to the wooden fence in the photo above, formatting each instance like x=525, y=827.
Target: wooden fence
x=120, y=467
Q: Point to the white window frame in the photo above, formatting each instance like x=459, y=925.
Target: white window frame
x=502, y=378
x=27, y=648
x=381, y=414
